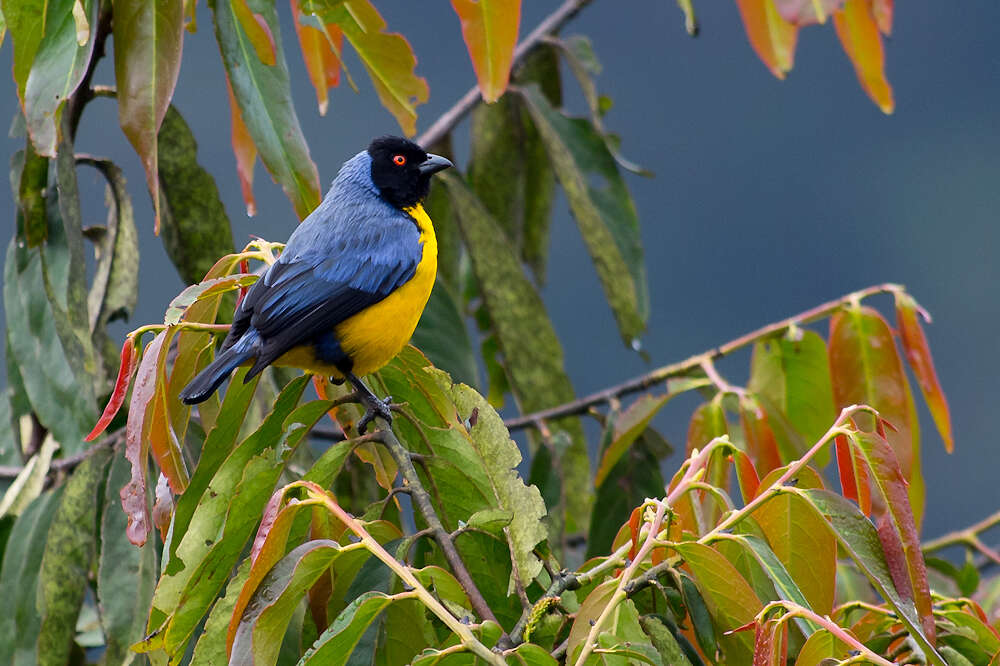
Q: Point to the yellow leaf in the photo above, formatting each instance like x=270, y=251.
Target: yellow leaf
x=770, y=35
x=490, y=31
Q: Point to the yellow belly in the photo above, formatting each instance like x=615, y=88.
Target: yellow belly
x=376, y=334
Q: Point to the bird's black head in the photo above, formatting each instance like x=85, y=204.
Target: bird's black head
x=402, y=170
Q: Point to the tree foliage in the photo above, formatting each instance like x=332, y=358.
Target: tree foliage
x=263, y=528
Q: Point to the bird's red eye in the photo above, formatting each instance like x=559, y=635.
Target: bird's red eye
x=399, y=160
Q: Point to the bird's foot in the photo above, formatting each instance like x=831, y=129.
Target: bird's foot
x=375, y=407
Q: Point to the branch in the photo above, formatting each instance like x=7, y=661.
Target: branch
x=552, y=23
x=969, y=537
x=422, y=499
x=69, y=463
x=660, y=375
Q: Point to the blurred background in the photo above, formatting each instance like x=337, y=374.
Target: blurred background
x=769, y=197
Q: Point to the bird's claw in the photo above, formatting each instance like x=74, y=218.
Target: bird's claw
x=373, y=408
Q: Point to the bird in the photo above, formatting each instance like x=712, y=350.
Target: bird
x=345, y=295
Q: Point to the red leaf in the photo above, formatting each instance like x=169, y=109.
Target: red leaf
x=321, y=58
x=859, y=36
x=918, y=354
x=244, y=149
x=889, y=480
x=746, y=476
x=133, y=494
x=854, y=481
x=771, y=36
x=763, y=643
x=126, y=367
x=866, y=369
x=489, y=28
x=761, y=445
x=634, y=523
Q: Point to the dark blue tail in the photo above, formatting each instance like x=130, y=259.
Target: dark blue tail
x=208, y=380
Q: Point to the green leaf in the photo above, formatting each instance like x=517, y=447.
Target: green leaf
x=604, y=213
x=821, y=645
x=664, y=641
x=56, y=71
x=793, y=373
x=26, y=22
x=262, y=625
x=631, y=480
x=729, y=597
x=226, y=515
x=857, y=536
x=32, y=178
x=115, y=287
x=701, y=619
x=628, y=427
x=19, y=575
x=56, y=379
x=335, y=646
x=784, y=586
x=148, y=39
x=529, y=654
x=196, y=229
x=125, y=574
x=70, y=548
x=241, y=489
x=265, y=100
x=499, y=457
x=387, y=56
x=623, y=627
x=533, y=357
x=508, y=169
x=490, y=31
x=211, y=646
x=442, y=335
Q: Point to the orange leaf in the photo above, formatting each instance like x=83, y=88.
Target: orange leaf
x=257, y=31
x=245, y=151
x=321, y=59
x=859, y=36
x=806, y=12
x=126, y=367
x=746, y=476
x=854, y=481
x=634, y=523
x=490, y=31
x=918, y=353
x=162, y=438
x=771, y=36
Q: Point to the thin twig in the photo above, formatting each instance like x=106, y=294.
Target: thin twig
x=551, y=24
x=660, y=375
x=69, y=463
x=422, y=499
x=966, y=537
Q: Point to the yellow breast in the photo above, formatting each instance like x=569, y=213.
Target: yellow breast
x=373, y=336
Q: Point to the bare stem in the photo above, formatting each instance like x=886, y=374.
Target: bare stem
x=552, y=23
x=969, y=537
x=660, y=375
x=422, y=499
x=795, y=610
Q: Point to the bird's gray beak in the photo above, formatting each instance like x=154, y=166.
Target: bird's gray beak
x=433, y=164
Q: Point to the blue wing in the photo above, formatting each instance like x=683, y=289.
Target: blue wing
x=328, y=273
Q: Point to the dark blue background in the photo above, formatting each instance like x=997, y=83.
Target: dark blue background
x=769, y=196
